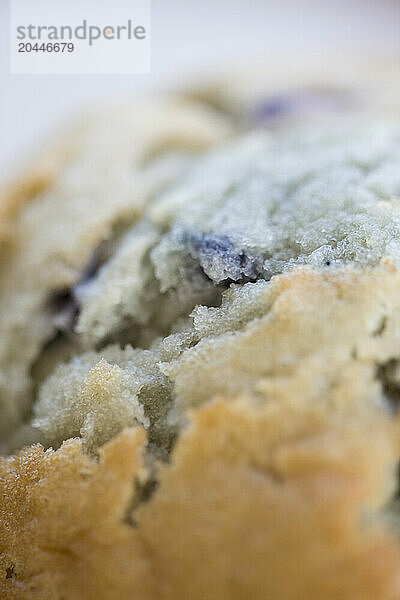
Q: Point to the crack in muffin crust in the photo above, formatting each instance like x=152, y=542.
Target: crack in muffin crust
x=223, y=348
x=333, y=212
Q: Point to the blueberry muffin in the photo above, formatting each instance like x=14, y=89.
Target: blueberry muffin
x=200, y=360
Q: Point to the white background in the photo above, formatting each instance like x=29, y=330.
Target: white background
x=189, y=36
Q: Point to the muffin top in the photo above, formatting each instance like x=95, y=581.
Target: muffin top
x=199, y=262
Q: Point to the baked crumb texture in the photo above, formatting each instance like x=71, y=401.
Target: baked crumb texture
x=208, y=349
x=280, y=492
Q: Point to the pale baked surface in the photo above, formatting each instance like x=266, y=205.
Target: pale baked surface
x=277, y=93
x=219, y=335
x=115, y=162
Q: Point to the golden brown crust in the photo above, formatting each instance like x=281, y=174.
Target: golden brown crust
x=63, y=532
x=279, y=502
x=270, y=505
x=277, y=495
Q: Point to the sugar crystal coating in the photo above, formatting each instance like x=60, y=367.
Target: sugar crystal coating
x=196, y=269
